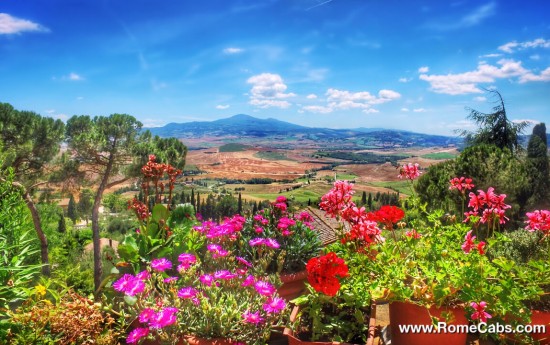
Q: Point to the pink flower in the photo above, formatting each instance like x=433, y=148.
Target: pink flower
x=274, y=305
x=271, y=243
x=281, y=198
x=258, y=229
x=468, y=244
x=170, y=280
x=461, y=184
x=163, y=318
x=217, y=250
x=304, y=216
x=481, y=248
x=254, y=318
x=409, y=171
x=249, y=280
x=480, y=313
x=285, y=223
x=161, y=265
x=260, y=219
x=538, y=220
x=224, y=274
x=136, y=335
x=146, y=315
x=129, y=284
x=256, y=242
x=186, y=260
x=187, y=293
x=206, y=279
x=413, y=234
x=243, y=261
x=337, y=199
x=264, y=288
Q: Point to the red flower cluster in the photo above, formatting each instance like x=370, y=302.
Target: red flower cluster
x=153, y=171
x=489, y=204
x=462, y=184
x=388, y=215
x=142, y=212
x=324, y=271
x=539, y=220
x=469, y=244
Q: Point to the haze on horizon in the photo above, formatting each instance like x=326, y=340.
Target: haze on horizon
x=319, y=63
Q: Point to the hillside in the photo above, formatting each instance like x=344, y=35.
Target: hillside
x=248, y=129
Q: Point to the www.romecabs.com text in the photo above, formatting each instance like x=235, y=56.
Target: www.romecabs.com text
x=482, y=328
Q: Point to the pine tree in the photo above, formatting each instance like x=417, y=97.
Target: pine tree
x=71, y=210
x=369, y=201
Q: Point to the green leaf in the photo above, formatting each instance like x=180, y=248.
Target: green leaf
x=130, y=300
x=160, y=212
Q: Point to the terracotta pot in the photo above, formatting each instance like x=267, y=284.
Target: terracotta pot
x=294, y=285
x=402, y=313
x=293, y=340
x=538, y=317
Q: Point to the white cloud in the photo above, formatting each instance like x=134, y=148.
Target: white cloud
x=419, y=110
x=480, y=99
x=404, y=80
x=424, y=69
x=530, y=121
x=345, y=100
x=311, y=96
x=75, y=77
x=233, y=50
x=464, y=83
x=222, y=106
x=405, y=109
x=490, y=55
x=268, y=90
x=510, y=47
x=13, y=25
x=478, y=15
x=535, y=57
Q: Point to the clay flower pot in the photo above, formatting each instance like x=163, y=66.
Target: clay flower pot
x=294, y=285
x=538, y=317
x=293, y=340
x=403, y=313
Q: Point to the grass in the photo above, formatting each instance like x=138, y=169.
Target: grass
x=233, y=147
x=272, y=156
x=347, y=177
x=439, y=155
x=402, y=187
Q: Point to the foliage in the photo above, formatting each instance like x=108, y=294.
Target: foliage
x=494, y=128
x=18, y=250
x=233, y=147
x=296, y=241
x=69, y=319
x=537, y=166
x=114, y=202
x=71, y=209
x=85, y=204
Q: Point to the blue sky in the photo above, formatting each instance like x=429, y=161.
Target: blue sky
x=412, y=65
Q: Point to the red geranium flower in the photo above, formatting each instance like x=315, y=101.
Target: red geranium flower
x=324, y=271
x=388, y=215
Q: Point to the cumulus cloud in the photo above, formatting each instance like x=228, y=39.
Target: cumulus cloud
x=491, y=55
x=424, y=69
x=404, y=80
x=311, y=96
x=12, y=25
x=345, y=100
x=405, y=109
x=233, y=50
x=222, y=106
x=510, y=47
x=268, y=90
x=467, y=82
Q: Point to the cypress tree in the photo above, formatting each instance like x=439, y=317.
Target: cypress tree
x=71, y=210
x=240, y=205
x=369, y=201
x=61, y=226
x=364, y=198
x=193, y=197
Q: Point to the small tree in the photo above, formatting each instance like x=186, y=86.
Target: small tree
x=537, y=165
x=71, y=209
x=61, y=226
x=85, y=204
x=494, y=128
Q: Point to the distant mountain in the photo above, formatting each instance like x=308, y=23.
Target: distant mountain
x=246, y=126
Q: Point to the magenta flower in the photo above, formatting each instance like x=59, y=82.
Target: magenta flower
x=243, y=261
x=186, y=260
x=254, y=318
x=264, y=288
x=161, y=265
x=468, y=244
x=217, y=250
x=337, y=199
x=281, y=198
x=146, y=315
x=271, y=243
x=258, y=229
x=274, y=305
x=206, y=279
x=249, y=280
x=538, y=220
x=170, y=280
x=163, y=318
x=136, y=335
x=256, y=242
x=224, y=274
x=461, y=184
x=187, y=292
x=481, y=248
x=480, y=313
x=129, y=284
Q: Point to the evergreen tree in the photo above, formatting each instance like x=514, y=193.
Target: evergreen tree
x=85, y=204
x=240, y=205
x=537, y=165
x=193, y=197
x=61, y=226
x=369, y=201
x=71, y=210
x=364, y=198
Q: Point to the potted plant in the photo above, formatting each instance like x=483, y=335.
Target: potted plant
x=210, y=294
x=281, y=243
